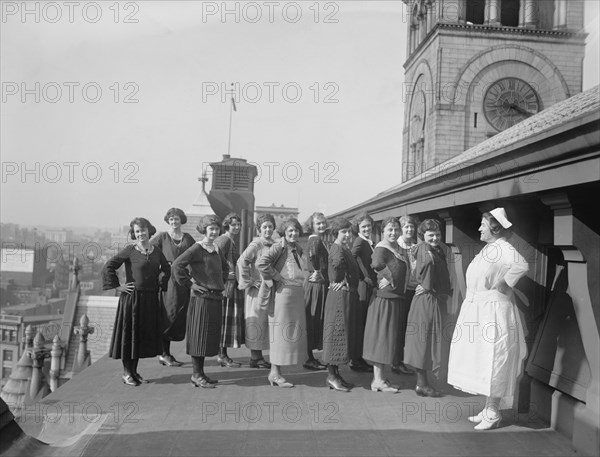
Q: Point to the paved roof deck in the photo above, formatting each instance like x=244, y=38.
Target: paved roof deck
x=95, y=414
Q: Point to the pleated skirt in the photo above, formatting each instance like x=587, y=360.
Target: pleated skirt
x=257, y=320
x=203, y=327
x=137, y=329
x=339, y=338
x=423, y=345
x=233, y=324
x=287, y=327
x=381, y=330
x=315, y=294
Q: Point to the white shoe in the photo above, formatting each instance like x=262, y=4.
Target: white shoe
x=476, y=419
x=489, y=423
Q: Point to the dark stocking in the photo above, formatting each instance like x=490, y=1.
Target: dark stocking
x=332, y=370
x=422, y=378
x=198, y=364
x=127, y=370
x=166, y=348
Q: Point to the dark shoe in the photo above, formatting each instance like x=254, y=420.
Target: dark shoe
x=260, y=363
x=403, y=369
x=209, y=380
x=175, y=363
x=227, y=362
x=139, y=378
x=314, y=364
x=169, y=361
x=361, y=366
x=426, y=391
x=336, y=383
x=130, y=380
x=202, y=381
x=349, y=385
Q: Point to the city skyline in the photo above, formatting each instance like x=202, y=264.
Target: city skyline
x=129, y=104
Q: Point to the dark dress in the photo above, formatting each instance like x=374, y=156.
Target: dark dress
x=315, y=293
x=233, y=324
x=423, y=346
x=339, y=343
x=408, y=296
x=137, y=330
x=203, y=322
x=362, y=251
x=383, y=316
x=174, y=301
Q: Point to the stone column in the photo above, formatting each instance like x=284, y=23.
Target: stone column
x=491, y=12
x=430, y=16
x=530, y=14
x=560, y=14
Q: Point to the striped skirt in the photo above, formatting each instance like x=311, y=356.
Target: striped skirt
x=137, y=330
x=203, y=329
x=315, y=294
x=233, y=324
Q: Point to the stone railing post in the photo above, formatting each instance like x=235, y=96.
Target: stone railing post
x=55, y=355
x=83, y=329
x=37, y=354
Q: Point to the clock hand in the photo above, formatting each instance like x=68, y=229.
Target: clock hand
x=521, y=110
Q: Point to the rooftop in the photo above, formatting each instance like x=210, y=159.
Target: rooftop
x=94, y=414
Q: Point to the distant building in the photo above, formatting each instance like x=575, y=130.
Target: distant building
x=12, y=336
x=279, y=212
x=58, y=235
x=25, y=266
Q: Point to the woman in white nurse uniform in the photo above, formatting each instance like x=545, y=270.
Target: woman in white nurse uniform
x=488, y=346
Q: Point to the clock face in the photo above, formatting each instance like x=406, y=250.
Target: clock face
x=417, y=116
x=509, y=101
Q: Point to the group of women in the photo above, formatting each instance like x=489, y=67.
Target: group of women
x=363, y=304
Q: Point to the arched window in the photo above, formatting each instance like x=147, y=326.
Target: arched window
x=475, y=11
x=509, y=12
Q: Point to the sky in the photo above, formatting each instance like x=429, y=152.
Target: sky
x=111, y=110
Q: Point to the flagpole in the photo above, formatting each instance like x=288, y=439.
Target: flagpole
x=230, y=122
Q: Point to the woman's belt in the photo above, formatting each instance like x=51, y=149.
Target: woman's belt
x=211, y=294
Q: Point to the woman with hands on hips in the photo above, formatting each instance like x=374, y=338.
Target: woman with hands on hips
x=204, y=270
x=340, y=306
x=256, y=307
x=283, y=269
x=383, y=317
x=137, y=329
x=174, y=301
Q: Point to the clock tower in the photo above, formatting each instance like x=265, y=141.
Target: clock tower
x=477, y=67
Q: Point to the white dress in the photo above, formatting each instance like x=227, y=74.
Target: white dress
x=488, y=345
